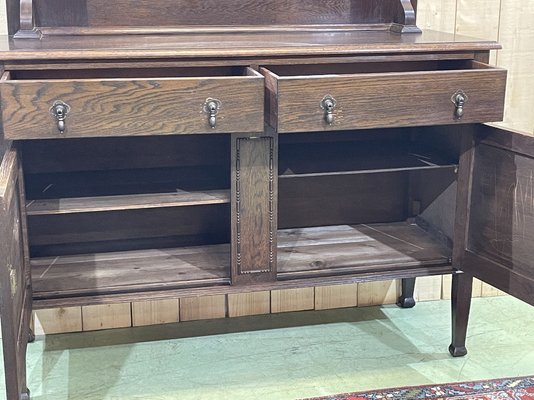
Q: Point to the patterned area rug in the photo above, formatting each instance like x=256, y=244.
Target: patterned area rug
x=497, y=389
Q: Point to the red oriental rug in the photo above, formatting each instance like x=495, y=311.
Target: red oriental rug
x=496, y=389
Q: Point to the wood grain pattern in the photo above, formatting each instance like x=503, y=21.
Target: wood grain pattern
x=125, y=153
x=15, y=285
x=499, y=234
x=234, y=45
x=130, y=271
x=106, y=316
x=180, y=223
x=236, y=12
x=253, y=208
x=112, y=107
x=58, y=320
x=127, y=202
x=292, y=300
x=243, y=304
x=151, y=295
x=155, y=312
x=205, y=307
x=299, y=98
x=500, y=224
x=336, y=296
x=321, y=251
x=377, y=293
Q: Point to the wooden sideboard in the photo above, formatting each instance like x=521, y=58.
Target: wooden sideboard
x=180, y=150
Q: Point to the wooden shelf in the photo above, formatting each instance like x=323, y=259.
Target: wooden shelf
x=302, y=253
x=128, y=202
x=347, y=249
x=349, y=158
x=130, y=271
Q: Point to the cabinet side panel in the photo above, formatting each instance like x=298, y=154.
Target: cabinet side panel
x=253, y=208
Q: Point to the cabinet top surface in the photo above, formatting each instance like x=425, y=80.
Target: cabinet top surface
x=236, y=45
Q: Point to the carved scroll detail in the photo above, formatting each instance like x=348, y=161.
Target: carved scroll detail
x=406, y=19
x=27, y=28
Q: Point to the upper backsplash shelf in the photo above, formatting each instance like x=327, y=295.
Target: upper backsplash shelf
x=37, y=18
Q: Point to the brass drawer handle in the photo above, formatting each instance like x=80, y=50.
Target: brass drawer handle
x=328, y=103
x=212, y=107
x=60, y=110
x=459, y=99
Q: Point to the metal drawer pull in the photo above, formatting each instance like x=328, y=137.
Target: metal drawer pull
x=328, y=103
x=212, y=107
x=60, y=110
x=459, y=99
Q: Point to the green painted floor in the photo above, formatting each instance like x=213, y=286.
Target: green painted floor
x=284, y=356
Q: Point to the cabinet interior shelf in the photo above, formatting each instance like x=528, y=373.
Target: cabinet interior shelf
x=302, y=253
x=350, y=158
x=180, y=198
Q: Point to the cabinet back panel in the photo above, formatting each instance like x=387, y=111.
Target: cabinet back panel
x=96, y=154
x=348, y=199
x=130, y=13
x=126, y=230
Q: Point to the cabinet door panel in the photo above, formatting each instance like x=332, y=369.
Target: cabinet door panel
x=15, y=284
x=499, y=246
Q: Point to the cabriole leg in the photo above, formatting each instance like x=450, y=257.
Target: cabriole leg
x=462, y=288
x=406, y=299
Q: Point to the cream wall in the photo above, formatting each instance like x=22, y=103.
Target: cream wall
x=511, y=23
x=508, y=21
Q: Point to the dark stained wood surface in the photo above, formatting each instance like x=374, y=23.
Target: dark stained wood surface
x=357, y=157
x=500, y=230
x=113, y=107
x=103, y=227
x=126, y=202
x=342, y=199
x=15, y=284
x=232, y=12
x=235, y=45
x=126, y=153
x=126, y=182
x=254, y=171
x=412, y=99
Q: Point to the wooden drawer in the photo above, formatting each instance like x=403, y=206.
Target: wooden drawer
x=374, y=95
x=162, y=101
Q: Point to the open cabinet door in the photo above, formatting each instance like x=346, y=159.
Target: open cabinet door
x=15, y=279
x=499, y=236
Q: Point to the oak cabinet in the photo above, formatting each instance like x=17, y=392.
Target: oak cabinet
x=158, y=155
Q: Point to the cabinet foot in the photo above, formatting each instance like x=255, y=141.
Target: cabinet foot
x=457, y=351
x=406, y=299
x=462, y=286
x=25, y=395
x=31, y=336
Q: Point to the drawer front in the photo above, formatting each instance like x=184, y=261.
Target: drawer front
x=125, y=107
x=376, y=100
